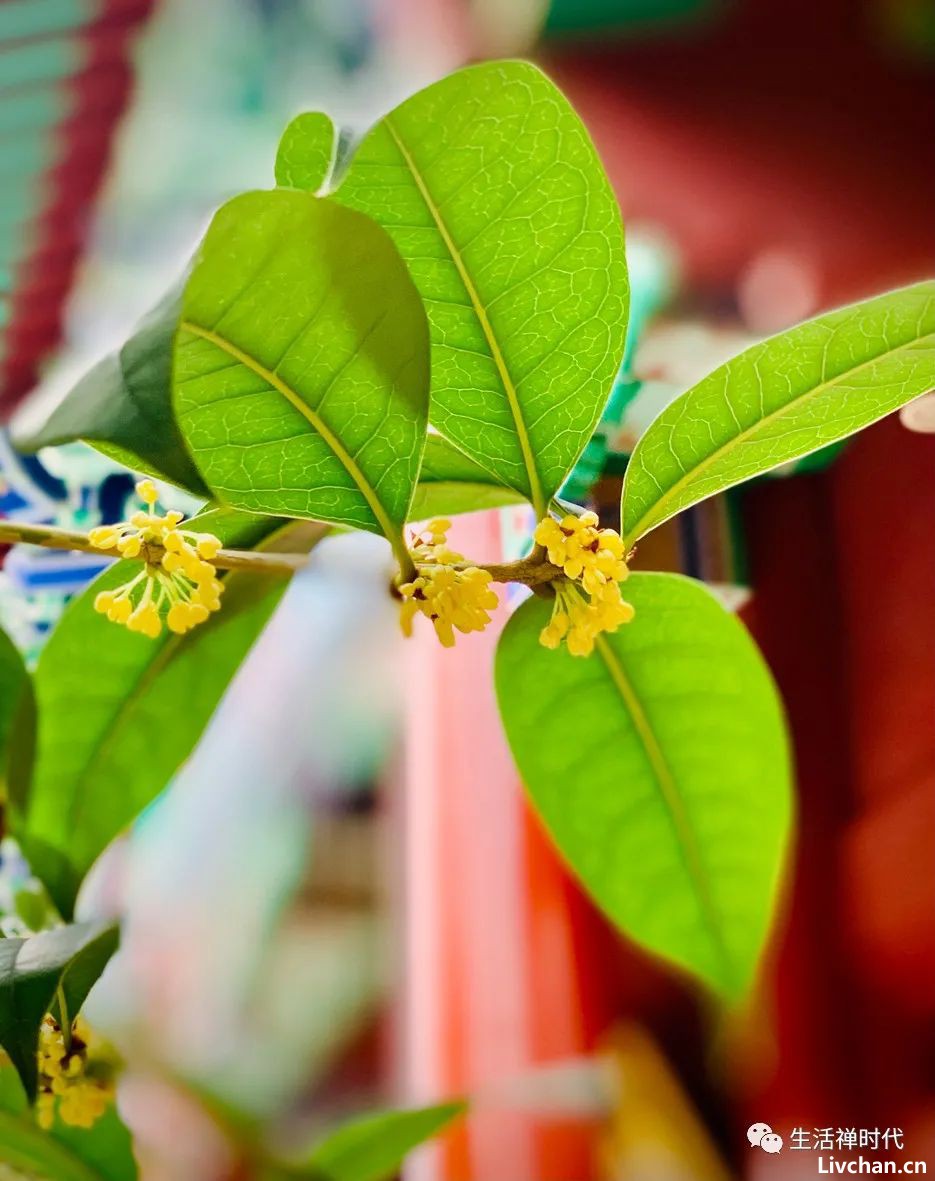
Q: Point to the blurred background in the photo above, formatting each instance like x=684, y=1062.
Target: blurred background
x=343, y=901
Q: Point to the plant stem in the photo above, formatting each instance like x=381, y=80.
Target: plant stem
x=407, y=566
x=532, y=571
x=52, y=537
x=64, y=1017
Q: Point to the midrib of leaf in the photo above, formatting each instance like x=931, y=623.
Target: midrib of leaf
x=127, y=705
x=26, y=1147
x=669, y=791
x=655, y=517
x=390, y=530
x=529, y=461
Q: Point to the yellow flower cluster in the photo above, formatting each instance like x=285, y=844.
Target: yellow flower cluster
x=594, y=558
x=181, y=586
x=452, y=595
x=81, y=1089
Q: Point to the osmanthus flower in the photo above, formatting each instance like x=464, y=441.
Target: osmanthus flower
x=178, y=585
x=75, y=1077
x=453, y=595
x=593, y=561
x=579, y=621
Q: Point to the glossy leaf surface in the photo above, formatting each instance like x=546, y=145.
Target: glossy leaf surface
x=118, y=712
x=306, y=151
x=16, y=703
x=784, y=398
x=373, y=1147
x=31, y=972
x=660, y=767
x=301, y=372
x=451, y=483
x=123, y=406
x=64, y=1153
x=491, y=188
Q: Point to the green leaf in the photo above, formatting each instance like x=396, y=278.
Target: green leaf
x=302, y=363
x=123, y=407
x=306, y=152
x=451, y=483
x=107, y=1147
x=373, y=1147
x=32, y=907
x=660, y=767
x=31, y=973
x=492, y=190
x=23, y=1146
x=101, y=1153
x=110, y=742
x=14, y=682
x=16, y=701
x=784, y=398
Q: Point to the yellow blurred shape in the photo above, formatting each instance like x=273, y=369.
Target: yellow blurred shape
x=655, y=1133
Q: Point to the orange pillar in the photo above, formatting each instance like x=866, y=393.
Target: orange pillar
x=492, y=979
